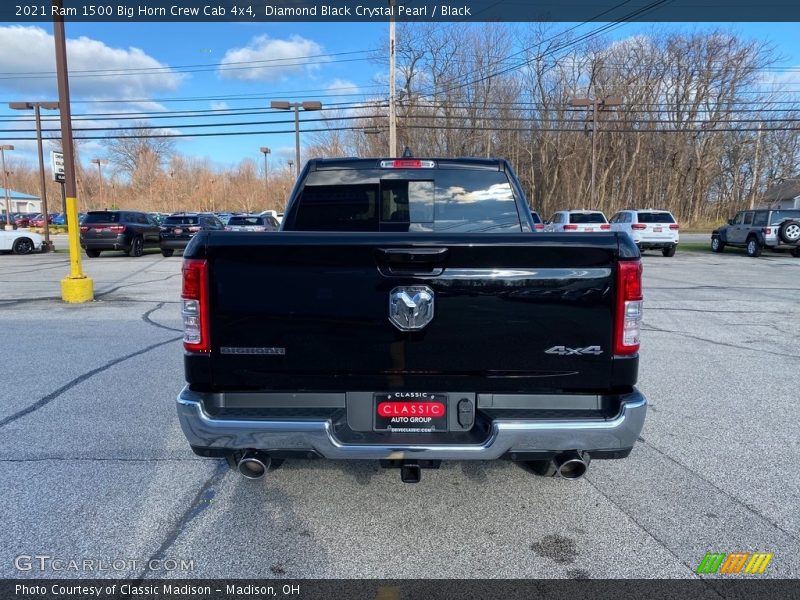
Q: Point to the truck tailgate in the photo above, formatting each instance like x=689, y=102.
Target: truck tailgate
x=291, y=310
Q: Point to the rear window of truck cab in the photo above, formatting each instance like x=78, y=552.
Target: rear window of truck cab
x=454, y=200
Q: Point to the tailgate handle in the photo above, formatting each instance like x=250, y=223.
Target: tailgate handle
x=410, y=261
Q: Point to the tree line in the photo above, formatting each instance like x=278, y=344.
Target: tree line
x=700, y=124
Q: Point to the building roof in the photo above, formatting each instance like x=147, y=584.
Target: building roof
x=786, y=189
x=15, y=195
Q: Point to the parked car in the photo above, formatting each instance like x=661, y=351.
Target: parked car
x=538, y=224
x=20, y=242
x=252, y=223
x=126, y=230
x=755, y=230
x=178, y=229
x=649, y=229
x=578, y=220
x=38, y=220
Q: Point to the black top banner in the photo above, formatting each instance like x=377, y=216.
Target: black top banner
x=403, y=10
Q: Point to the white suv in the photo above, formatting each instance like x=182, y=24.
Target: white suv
x=578, y=220
x=649, y=229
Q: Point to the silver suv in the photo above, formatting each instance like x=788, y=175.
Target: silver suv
x=649, y=229
x=755, y=230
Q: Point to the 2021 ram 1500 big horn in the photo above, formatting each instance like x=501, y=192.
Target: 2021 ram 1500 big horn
x=407, y=313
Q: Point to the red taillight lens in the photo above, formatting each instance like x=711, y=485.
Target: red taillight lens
x=605, y=226
x=194, y=229
x=674, y=227
x=407, y=163
x=638, y=226
x=84, y=229
x=538, y=226
x=194, y=295
x=767, y=231
x=570, y=227
x=628, y=307
x=117, y=228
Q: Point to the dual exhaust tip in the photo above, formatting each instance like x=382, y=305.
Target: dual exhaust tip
x=254, y=464
x=571, y=465
x=568, y=465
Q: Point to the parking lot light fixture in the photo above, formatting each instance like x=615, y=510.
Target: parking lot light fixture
x=37, y=106
x=305, y=105
x=3, y=149
x=265, y=151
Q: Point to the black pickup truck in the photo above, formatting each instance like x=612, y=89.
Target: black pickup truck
x=408, y=312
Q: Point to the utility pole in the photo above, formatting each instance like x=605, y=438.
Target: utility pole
x=37, y=106
x=392, y=91
x=597, y=106
x=3, y=148
x=755, y=167
x=76, y=287
x=265, y=151
x=305, y=105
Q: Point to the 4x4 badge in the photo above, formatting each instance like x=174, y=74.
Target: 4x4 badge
x=564, y=351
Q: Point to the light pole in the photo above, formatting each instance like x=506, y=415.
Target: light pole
x=597, y=105
x=3, y=149
x=306, y=105
x=76, y=287
x=37, y=106
x=265, y=151
x=100, y=162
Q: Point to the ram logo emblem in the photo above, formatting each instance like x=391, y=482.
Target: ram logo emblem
x=411, y=307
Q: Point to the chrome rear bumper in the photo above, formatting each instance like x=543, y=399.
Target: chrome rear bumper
x=618, y=433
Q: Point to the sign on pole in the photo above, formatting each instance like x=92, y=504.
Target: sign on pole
x=57, y=165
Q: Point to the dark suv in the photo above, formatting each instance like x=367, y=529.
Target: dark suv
x=178, y=229
x=127, y=230
x=755, y=230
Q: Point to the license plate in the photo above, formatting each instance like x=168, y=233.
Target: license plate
x=410, y=412
x=657, y=229
x=178, y=230
x=589, y=229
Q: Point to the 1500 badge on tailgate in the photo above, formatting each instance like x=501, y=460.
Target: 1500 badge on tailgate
x=411, y=412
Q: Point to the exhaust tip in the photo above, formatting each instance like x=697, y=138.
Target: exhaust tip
x=253, y=465
x=571, y=465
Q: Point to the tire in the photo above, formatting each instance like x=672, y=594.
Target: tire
x=789, y=232
x=754, y=247
x=166, y=253
x=23, y=246
x=717, y=245
x=92, y=253
x=669, y=251
x=137, y=247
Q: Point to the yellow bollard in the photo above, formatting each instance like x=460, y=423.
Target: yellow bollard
x=76, y=287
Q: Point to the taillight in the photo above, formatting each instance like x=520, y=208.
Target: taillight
x=674, y=227
x=117, y=228
x=194, y=297
x=84, y=229
x=194, y=229
x=767, y=231
x=538, y=226
x=638, y=226
x=570, y=227
x=605, y=226
x=629, y=307
x=407, y=163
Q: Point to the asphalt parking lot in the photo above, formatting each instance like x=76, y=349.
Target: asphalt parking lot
x=94, y=466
